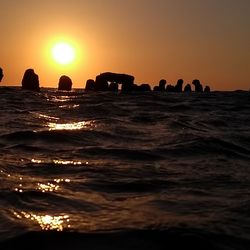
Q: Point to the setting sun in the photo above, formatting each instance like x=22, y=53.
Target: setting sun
x=63, y=53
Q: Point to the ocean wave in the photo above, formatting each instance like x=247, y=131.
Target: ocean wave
x=204, y=147
x=175, y=166
x=130, y=239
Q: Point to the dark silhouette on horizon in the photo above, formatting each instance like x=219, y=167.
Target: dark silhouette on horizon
x=170, y=88
x=144, y=87
x=207, y=89
x=162, y=86
x=113, y=86
x=109, y=81
x=197, y=85
x=1, y=74
x=90, y=85
x=65, y=83
x=178, y=86
x=187, y=88
x=30, y=80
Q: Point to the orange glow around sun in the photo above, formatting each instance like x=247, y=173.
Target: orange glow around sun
x=63, y=53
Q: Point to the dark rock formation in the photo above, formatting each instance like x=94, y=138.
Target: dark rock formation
x=197, y=85
x=207, y=89
x=30, y=80
x=109, y=81
x=144, y=87
x=187, y=88
x=65, y=83
x=161, y=86
x=90, y=85
x=1, y=74
x=170, y=88
x=103, y=80
x=113, y=86
x=136, y=87
x=178, y=86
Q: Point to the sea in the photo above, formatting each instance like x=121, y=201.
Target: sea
x=102, y=170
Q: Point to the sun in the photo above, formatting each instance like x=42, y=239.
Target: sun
x=63, y=53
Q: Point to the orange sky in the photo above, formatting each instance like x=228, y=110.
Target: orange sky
x=150, y=39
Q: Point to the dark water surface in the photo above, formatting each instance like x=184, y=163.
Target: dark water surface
x=124, y=171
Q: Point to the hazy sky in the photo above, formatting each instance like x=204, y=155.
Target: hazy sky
x=150, y=39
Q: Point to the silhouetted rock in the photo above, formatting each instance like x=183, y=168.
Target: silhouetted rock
x=113, y=86
x=136, y=87
x=101, y=83
x=103, y=80
x=90, y=85
x=161, y=86
x=178, y=86
x=170, y=88
x=207, y=89
x=144, y=87
x=1, y=74
x=188, y=88
x=30, y=80
x=198, y=86
x=65, y=83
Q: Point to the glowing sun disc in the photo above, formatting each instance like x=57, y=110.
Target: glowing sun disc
x=63, y=53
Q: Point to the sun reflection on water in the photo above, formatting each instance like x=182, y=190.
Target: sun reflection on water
x=53, y=122
x=67, y=162
x=36, y=161
x=46, y=222
x=45, y=117
x=63, y=98
x=51, y=187
x=48, y=117
x=61, y=180
x=48, y=187
x=71, y=125
x=73, y=106
x=60, y=162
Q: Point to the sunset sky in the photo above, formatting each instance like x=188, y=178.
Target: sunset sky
x=150, y=39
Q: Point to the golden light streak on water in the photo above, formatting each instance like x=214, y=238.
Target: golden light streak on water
x=36, y=161
x=67, y=162
x=60, y=162
x=71, y=125
x=48, y=187
x=46, y=222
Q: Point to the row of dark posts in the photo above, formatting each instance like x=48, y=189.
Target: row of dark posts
x=109, y=81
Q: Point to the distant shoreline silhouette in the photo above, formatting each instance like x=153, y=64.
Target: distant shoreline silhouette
x=109, y=81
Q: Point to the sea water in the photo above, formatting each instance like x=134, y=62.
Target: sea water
x=137, y=169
